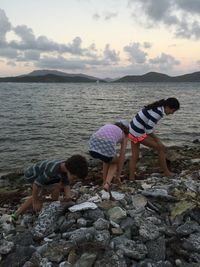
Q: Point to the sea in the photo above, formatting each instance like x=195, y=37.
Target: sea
x=45, y=121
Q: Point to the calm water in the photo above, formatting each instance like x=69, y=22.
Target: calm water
x=39, y=121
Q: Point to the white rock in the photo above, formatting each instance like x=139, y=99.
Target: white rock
x=105, y=195
x=95, y=199
x=83, y=206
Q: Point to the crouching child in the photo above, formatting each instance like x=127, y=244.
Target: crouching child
x=52, y=176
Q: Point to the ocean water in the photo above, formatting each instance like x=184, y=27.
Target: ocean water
x=45, y=121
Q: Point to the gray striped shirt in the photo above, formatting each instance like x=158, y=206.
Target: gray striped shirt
x=46, y=172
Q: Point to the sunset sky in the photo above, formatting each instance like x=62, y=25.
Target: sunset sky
x=111, y=38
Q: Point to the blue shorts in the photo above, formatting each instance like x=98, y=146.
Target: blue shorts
x=103, y=158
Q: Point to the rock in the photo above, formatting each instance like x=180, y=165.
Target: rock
x=101, y=224
x=116, y=214
x=6, y=246
x=155, y=224
x=18, y=257
x=188, y=228
x=46, y=223
x=132, y=249
x=156, y=249
x=86, y=260
x=159, y=193
x=116, y=195
x=192, y=243
x=83, y=206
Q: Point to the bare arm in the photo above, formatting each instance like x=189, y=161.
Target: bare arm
x=67, y=193
x=37, y=203
x=122, y=156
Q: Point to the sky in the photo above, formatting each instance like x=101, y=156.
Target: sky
x=101, y=38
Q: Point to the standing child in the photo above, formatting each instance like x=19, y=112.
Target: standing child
x=52, y=175
x=141, y=130
x=102, y=145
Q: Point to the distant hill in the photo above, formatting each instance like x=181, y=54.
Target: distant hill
x=54, y=76
x=51, y=76
x=160, y=77
x=59, y=73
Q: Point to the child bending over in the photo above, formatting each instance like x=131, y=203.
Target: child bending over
x=102, y=145
x=52, y=175
x=141, y=131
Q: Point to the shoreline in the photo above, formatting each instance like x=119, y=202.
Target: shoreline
x=147, y=164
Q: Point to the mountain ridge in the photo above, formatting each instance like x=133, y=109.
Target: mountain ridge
x=54, y=76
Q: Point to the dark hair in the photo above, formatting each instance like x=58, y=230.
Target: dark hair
x=77, y=165
x=122, y=127
x=171, y=102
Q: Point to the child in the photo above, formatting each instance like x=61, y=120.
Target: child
x=102, y=145
x=52, y=175
x=141, y=130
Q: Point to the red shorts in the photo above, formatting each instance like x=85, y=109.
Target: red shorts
x=137, y=139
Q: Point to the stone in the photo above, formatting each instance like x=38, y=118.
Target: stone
x=156, y=249
x=116, y=214
x=83, y=206
x=86, y=260
x=6, y=246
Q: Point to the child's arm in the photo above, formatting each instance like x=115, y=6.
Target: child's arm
x=121, y=156
x=37, y=203
x=67, y=193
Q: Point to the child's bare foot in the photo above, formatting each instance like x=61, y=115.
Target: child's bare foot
x=106, y=187
x=169, y=174
x=133, y=177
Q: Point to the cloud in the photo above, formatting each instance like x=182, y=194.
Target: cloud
x=180, y=16
x=108, y=58
x=110, y=54
x=192, y=6
x=5, y=25
x=107, y=15
x=147, y=45
x=136, y=55
x=7, y=52
x=27, y=49
x=43, y=44
x=40, y=51
x=96, y=16
x=110, y=15
x=164, y=61
x=61, y=62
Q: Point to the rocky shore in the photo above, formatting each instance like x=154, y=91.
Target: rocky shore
x=153, y=221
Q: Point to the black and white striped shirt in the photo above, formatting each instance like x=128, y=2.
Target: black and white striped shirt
x=145, y=121
x=46, y=172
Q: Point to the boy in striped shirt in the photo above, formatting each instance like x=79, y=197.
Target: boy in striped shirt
x=52, y=175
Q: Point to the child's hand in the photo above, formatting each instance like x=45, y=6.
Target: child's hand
x=67, y=199
x=37, y=205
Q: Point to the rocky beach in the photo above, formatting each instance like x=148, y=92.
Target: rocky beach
x=154, y=221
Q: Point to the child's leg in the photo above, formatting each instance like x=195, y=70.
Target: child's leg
x=112, y=168
x=105, y=170
x=149, y=141
x=133, y=160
